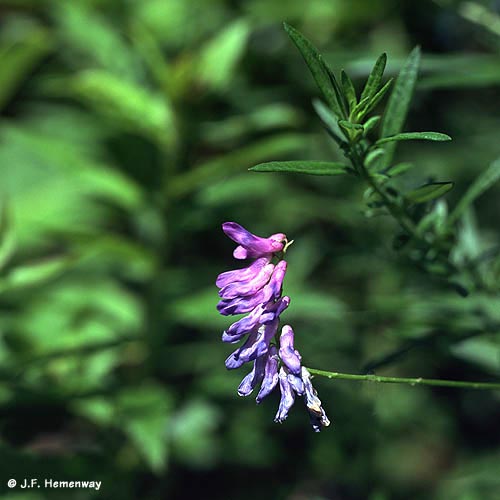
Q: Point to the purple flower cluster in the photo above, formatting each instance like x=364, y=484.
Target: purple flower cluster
x=257, y=290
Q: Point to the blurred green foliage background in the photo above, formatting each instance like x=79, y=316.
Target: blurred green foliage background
x=126, y=131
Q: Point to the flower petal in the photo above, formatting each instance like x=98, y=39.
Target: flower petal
x=296, y=383
x=247, y=352
x=287, y=397
x=247, y=287
x=243, y=326
x=244, y=274
x=273, y=310
x=317, y=414
x=271, y=377
x=254, y=378
x=290, y=356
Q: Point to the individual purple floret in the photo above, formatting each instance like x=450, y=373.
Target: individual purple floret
x=256, y=290
x=251, y=246
x=317, y=414
x=290, y=356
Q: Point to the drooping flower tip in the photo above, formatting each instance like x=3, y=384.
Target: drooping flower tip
x=317, y=414
x=250, y=245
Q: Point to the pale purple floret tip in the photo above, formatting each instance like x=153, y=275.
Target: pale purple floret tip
x=256, y=290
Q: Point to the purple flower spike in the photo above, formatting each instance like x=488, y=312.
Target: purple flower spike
x=271, y=378
x=317, y=414
x=250, y=245
x=287, y=397
x=290, y=356
x=254, y=378
x=257, y=291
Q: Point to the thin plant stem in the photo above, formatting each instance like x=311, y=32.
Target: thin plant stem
x=409, y=381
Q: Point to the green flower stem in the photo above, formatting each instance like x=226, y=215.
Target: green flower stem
x=404, y=380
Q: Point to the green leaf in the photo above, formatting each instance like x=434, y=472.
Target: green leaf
x=19, y=56
x=375, y=78
x=88, y=37
x=349, y=90
x=429, y=192
x=399, y=101
x=221, y=55
x=324, y=78
x=330, y=120
x=127, y=104
x=371, y=123
x=436, y=218
x=371, y=102
x=398, y=169
x=339, y=94
x=144, y=414
x=372, y=156
x=34, y=274
x=484, y=180
x=415, y=136
x=303, y=167
x=261, y=150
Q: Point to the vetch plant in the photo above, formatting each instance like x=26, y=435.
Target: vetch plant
x=430, y=234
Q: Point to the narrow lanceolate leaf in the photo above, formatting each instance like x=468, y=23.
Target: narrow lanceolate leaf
x=398, y=169
x=372, y=156
x=349, y=90
x=330, y=120
x=484, y=180
x=429, y=192
x=399, y=102
x=339, y=93
x=371, y=123
x=371, y=102
x=317, y=67
x=415, y=136
x=304, y=167
x=375, y=78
